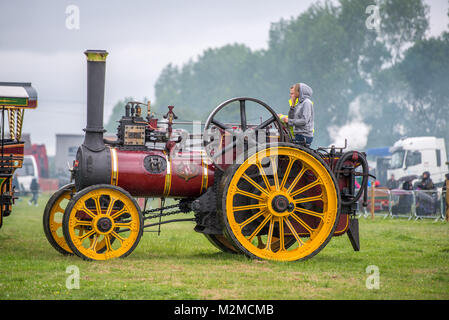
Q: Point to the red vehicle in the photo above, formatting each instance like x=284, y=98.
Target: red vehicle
x=252, y=191
x=39, y=152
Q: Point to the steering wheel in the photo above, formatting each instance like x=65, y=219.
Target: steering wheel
x=225, y=142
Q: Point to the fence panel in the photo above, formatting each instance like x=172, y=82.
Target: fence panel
x=428, y=204
x=410, y=204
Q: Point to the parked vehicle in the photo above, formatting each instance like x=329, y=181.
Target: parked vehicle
x=27, y=173
x=413, y=156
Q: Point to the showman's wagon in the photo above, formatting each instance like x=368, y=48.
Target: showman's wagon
x=15, y=97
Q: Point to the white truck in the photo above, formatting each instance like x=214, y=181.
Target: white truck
x=27, y=173
x=413, y=156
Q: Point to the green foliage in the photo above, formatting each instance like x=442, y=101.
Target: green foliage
x=330, y=48
x=198, y=87
x=403, y=23
x=425, y=69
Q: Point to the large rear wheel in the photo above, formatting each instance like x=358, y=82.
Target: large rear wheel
x=281, y=203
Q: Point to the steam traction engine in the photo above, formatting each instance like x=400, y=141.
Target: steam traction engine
x=252, y=191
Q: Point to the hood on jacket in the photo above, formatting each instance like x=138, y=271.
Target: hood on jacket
x=304, y=92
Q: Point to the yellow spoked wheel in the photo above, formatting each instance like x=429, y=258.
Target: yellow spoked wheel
x=102, y=213
x=281, y=203
x=52, y=219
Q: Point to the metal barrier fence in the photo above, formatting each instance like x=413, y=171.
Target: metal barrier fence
x=410, y=204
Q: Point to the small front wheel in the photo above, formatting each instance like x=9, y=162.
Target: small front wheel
x=53, y=216
x=102, y=213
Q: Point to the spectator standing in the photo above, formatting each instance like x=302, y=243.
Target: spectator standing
x=392, y=183
x=34, y=188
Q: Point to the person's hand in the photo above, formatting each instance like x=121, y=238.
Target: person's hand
x=283, y=118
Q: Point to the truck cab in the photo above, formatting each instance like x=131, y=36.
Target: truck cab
x=413, y=156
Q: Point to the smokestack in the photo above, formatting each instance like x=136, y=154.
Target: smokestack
x=96, y=68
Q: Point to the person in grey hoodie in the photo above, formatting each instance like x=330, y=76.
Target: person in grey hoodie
x=301, y=114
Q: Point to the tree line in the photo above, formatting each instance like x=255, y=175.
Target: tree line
x=395, y=74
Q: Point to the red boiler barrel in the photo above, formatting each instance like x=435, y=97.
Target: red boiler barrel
x=154, y=173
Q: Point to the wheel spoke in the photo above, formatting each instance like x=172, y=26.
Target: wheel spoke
x=55, y=225
x=123, y=225
x=83, y=223
x=59, y=209
x=270, y=235
x=256, y=232
x=293, y=231
x=305, y=188
x=249, y=194
x=275, y=171
x=97, y=204
x=309, y=199
x=118, y=213
x=281, y=234
x=117, y=236
x=310, y=213
x=250, y=206
x=251, y=219
x=110, y=206
x=302, y=223
x=296, y=180
x=255, y=184
x=221, y=125
x=107, y=240
x=86, y=235
x=265, y=124
x=264, y=176
x=243, y=115
x=88, y=211
x=93, y=243
x=287, y=172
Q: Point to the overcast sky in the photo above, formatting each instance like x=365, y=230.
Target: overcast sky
x=38, y=46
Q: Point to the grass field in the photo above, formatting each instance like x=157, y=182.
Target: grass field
x=412, y=258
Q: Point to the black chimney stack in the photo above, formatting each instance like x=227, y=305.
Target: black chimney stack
x=93, y=158
x=96, y=68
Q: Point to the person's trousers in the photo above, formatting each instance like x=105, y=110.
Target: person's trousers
x=303, y=140
x=35, y=196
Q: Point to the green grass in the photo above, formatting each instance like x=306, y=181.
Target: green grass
x=412, y=257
